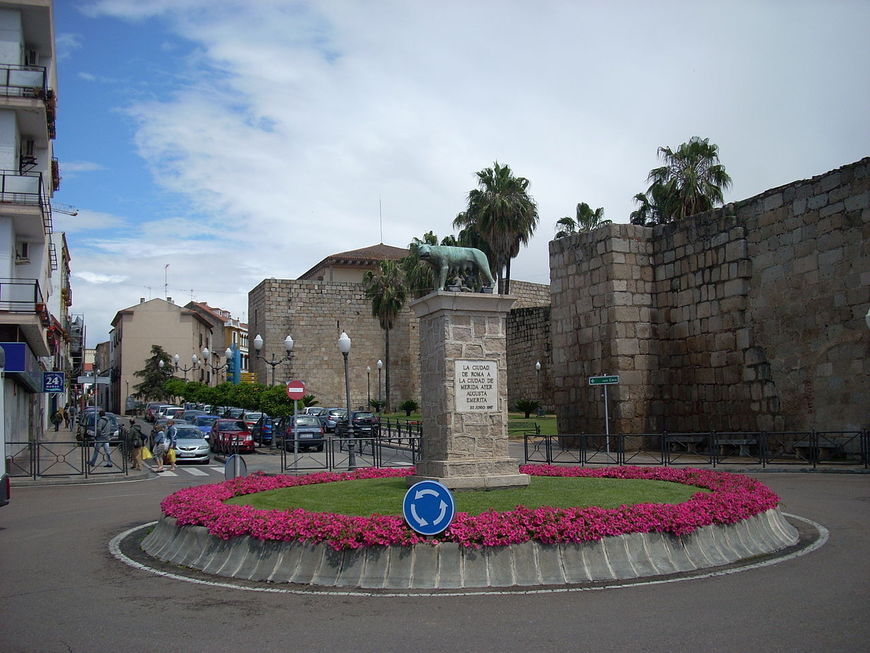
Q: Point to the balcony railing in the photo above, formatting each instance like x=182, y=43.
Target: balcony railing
x=21, y=296
x=23, y=81
x=26, y=188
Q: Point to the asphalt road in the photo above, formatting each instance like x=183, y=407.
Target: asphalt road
x=62, y=590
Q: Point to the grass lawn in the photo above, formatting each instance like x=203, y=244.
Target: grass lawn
x=384, y=495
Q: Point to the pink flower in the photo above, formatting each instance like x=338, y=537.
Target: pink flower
x=732, y=498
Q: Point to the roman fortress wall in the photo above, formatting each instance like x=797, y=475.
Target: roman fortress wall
x=748, y=317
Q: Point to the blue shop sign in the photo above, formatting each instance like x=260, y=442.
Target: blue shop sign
x=23, y=365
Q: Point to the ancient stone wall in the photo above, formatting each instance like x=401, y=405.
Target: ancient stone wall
x=748, y=317
x=530, y=294
x=528, y=338
x=315, y=313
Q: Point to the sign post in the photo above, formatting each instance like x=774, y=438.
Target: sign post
x=428, y=507
x=605, y=380
x=295, y=390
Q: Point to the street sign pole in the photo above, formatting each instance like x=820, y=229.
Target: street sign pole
x=605, y=380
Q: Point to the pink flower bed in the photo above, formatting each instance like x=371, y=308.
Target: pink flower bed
x=732, y=498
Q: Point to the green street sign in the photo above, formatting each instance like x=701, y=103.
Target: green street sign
x=603, y=380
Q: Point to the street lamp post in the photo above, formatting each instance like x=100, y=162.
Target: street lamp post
x=206, y=359
x=369, y=387
x=380, y=366
x=344, y=348
x=288, y=345
x=185, y=369
x=538, y=383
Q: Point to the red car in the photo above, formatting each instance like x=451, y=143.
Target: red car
x=227, y=434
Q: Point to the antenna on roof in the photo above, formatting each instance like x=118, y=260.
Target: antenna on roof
x=381, y=219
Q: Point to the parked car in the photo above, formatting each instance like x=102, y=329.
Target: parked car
x=233, y=413
x=229, y=434
x=332, y=418
x=205, y=423
x=190, y=414
x=251, y=417
x=191, y=446
x=151, y=409
x=263, y=429
x=316, y=410
x=307, y=430
x=363, y=423
x=164, y=409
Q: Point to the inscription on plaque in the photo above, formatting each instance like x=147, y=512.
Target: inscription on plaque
x=476, y=386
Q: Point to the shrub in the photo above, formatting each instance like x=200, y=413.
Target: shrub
x=409, y=407
x=527, y=406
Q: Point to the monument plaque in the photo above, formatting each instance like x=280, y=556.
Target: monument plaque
x=476, y=386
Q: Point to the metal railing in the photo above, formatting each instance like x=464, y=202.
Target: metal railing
x=335, y=455
x=715, y=448
x=21, y=296
x=23, y=81
x=38, y=459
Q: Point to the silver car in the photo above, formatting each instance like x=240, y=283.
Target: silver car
x=191, y=445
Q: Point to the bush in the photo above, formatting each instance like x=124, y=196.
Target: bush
x=409, y=407
x=527, y=406
x=377, y=405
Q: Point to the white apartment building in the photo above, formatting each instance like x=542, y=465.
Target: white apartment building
x=31, y=337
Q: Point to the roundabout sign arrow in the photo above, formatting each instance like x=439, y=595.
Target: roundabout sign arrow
x=428, y=507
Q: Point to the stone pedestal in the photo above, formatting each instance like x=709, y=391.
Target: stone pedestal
x=463, y=373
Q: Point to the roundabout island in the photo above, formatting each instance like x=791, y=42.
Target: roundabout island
x=729, y=519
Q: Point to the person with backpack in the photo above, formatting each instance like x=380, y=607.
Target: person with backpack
x=102, y=435
x=57, y=418
x=135, y=440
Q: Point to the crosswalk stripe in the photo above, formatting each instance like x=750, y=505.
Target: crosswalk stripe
x=195, y=472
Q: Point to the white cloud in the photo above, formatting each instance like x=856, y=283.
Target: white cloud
x=297, y=118
x=73, y=168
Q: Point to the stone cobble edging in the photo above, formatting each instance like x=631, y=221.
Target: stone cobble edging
x=451, y=566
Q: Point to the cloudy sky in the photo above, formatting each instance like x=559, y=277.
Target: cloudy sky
x=237, y=140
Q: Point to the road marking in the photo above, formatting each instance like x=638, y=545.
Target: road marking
x=194, y=472
x=115, y=550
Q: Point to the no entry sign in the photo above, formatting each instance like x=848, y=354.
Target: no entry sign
x=295, y=389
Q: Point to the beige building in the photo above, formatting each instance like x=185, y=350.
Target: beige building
x=227, y=333
x=135, y=329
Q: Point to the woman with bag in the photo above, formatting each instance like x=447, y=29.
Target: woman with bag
x=159, y=450
x=136, y=442
x=171, y=442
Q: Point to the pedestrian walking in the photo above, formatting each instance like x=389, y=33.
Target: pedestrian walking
x=71, y=412
x=159, y=450
x=102, y=435
x=136, y=440
x=57, y=418
x=67, y=417
x=171, y=442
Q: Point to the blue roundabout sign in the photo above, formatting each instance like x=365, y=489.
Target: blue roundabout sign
x=428, y=507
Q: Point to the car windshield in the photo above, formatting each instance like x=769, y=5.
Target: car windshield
x=362, y=416
x=232, y=425
x=307, y=421
x=252, y=417
x=337, y=413
x=205, y=420
x=188, y=433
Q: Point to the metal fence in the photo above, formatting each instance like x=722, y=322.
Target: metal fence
x=761, y=448
x=385, y=448
x=38, y=459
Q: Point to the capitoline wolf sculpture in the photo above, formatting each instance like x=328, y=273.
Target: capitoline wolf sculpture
x=465, y=267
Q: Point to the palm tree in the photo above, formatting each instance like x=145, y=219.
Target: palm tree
x=691, y=181
x=502, y=212
x=587, y=220
x=385, y=288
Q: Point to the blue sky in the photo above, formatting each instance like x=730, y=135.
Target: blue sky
x=237, y=140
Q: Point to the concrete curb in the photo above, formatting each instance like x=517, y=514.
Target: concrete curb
x=450, y=566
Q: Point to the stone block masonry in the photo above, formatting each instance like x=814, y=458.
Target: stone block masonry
x=748, y=317
x=315, y=313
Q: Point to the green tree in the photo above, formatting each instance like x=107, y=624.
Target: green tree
x=501, y=210
x=385, y=288
x=153, y=376
x=586, y=220
x=691, y=181
x=527, y=406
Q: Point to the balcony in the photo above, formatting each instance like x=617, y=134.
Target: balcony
x=22, y=306
x=23, y=81
x=25, y=190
